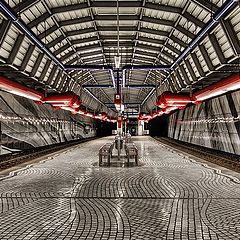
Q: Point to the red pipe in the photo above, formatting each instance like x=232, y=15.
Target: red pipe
x=68, y=99
x=20, y=90
x=229, y=84
x=167, y=99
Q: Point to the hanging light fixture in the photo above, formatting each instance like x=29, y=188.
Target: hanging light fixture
x=117, y=59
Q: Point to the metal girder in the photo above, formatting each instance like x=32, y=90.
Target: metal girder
x=113, y=18
x=75, y=42
x=179, y=78
x=178, y=41
x=122, y=4
x=48, y=32
x=207, y=5
x=206, y=57
x=92, y=48
x=51, y=75
x=84, y=55
x=91, y=30
x=144, y=59
x=231, y=36
x=56, y=80
x=65, y=85
x=45, y=69
x=114, y=44
x=68, y=55
x=99, y=61
x=193, y=19
x=185, y=76
x=55, y=41
x=70, y=7
x=88, y=48
x=173, y=49
x=75, y=21
x=213, y=40
x=24, y=5
x=162, y=7
x=171, y=86
x=141, y=61
x=93, y=59
x=150, y=40
x=42, y=18
x=15, y=48
x=185, y=31
x=153, y=32
x=81, y=32
x=175, y=83
x=4, y=27
x=142, y=53
x=27, y=57
x=122, y=44
x=157, y=21
x=114, y=37
x=190, y=69
x=197, y=64
x=36, y=64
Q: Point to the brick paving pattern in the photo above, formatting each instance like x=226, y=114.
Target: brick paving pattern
x=169, y=196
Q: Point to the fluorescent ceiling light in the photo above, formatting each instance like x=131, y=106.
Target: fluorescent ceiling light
x=117, y=60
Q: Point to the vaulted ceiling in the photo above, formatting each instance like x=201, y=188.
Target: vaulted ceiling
x=147, y=35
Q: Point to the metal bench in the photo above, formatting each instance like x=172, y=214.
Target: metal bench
x=105, y=151
x=128, y=138
x=131, y=151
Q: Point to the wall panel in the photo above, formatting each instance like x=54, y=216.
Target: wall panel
x=25, y=124
x=214, y=123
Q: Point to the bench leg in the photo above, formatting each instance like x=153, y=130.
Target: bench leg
x=136, y=159
x=109, y=157
x=100, y=160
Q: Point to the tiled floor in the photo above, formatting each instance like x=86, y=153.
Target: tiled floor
x=168, y=196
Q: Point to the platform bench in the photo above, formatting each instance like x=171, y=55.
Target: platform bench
x=105, y=151
x=131, y=151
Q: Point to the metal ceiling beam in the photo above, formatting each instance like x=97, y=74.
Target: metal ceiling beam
x=113, y=44
x=185, y=76
x=112, y=4
x=231, y=36
x=217, y=48
x=122, y=17
x=190, y=70
x=207, y=5
x=45, y=69
x=226, y=7
x=36, y=64
x=197, y=64
x=206, y=57
x=15, y=48
x=112, y=18
x=4, y=27
x=24, y=5
x=27, y=57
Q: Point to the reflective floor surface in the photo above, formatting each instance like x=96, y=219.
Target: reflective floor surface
x=169, y=196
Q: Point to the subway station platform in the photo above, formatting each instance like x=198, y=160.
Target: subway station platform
x=168, y=196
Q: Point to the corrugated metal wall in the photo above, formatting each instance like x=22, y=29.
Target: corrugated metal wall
x=25, y=124
x=214, y=123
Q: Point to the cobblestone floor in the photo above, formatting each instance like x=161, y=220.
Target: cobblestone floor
x=169, y=196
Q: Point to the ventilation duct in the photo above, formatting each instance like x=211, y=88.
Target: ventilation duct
x=20, y=90
x=168, y=99
x=229, y=84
